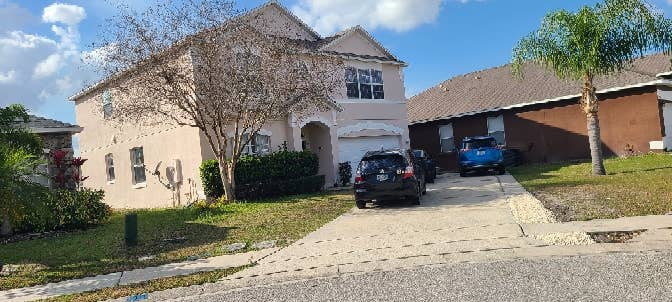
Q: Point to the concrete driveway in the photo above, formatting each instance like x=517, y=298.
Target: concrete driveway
x=459, y=220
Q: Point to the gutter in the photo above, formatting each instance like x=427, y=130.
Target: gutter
x=56, y=130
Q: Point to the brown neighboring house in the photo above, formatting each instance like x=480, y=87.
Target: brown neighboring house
x=539, y=114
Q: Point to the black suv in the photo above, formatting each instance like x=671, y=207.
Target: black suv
x=389, y=175
x=428, y=165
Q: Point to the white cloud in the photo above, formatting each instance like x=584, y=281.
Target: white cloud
x=40, y=69
x=65, y=13
x=48, y=66
x=7, y=77
x=331, y=16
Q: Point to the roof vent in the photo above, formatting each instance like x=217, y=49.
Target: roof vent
x=477, y=78
x=445, y=89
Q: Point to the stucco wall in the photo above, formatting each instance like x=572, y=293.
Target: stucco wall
x=162, y=143
x=554, y=132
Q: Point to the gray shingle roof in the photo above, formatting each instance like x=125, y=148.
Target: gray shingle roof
x=41, y=124
x=495, y=88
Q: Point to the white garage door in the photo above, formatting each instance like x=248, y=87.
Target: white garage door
x=352, y=149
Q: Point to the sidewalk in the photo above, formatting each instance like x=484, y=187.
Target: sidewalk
x=134, y=276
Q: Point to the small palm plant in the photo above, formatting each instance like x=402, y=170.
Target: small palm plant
x=594, y=41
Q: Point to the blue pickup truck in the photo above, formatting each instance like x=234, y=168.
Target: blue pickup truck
x=480, y=153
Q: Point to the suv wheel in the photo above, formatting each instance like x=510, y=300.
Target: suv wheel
x=501, y=171
x=361, y=204
x=415, y=200
x=463, y=173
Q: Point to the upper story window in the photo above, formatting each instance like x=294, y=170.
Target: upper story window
x=259, y=144
x=447, y=139
x=496, y=129
x=138, y=165
x=107, y=104
x=109, y=167
x=364, y=83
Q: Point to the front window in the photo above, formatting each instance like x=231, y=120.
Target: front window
x=138, y=165
x=364, y=83
x=109, y=167
x=447, y=140
x=496, y=129
x=259, y=144
x=107, y=104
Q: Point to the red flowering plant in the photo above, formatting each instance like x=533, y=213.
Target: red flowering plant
x=67, y=172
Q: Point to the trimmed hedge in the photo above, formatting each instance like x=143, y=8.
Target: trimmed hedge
x=279, y=165
x=285, y=172
x=269, y=189
x=66, y=210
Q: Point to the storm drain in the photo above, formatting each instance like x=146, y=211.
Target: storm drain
x=615, y=237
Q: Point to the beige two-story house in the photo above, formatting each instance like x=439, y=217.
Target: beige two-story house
x=141, y=167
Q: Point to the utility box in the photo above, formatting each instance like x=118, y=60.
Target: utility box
x=131, y=229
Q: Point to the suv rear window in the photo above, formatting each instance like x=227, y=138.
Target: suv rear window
x=480, y=143
x=419, y=153
x=374, y=164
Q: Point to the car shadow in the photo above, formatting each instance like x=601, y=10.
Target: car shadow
x=450, y=190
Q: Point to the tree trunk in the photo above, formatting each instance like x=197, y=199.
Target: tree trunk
x=589, y=104
x=228, y=181
x=6, y=227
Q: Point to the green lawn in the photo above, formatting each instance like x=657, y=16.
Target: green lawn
x=634, y=186
x=101, y=250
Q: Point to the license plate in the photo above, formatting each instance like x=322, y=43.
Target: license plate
x=480, y=153
x=382, y=177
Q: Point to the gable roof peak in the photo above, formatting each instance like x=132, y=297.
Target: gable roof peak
x=358, y=29
x=287, y=12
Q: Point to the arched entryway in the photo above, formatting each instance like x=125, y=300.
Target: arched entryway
x=315, y=137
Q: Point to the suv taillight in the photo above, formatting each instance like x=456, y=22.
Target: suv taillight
x=358, y=178
x=408, y=173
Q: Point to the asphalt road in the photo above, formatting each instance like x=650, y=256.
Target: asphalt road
x=601, y=277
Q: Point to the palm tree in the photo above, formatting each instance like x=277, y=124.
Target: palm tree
x=594, y=41
x=16, y=167
x=19, y=150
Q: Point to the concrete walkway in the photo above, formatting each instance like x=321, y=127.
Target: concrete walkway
x=134, y=276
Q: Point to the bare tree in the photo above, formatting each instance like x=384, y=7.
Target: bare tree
x=202, y=64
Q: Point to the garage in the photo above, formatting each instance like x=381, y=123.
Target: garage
x=353, y=148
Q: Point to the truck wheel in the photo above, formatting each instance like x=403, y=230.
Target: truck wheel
x=361, y=204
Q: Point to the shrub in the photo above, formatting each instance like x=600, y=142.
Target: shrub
x=269, y=189
x=255, y=172
x=66, y=210
x=212, y=181
x=345, y=173
x=279, y=165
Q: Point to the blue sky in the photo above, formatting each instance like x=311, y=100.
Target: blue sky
x=41, y=42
